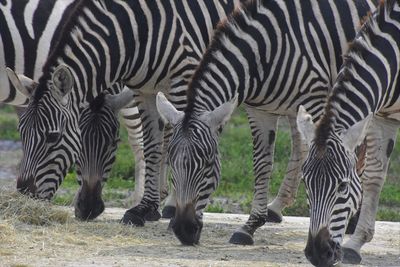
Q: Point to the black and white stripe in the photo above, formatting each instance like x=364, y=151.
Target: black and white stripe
x=275, y=56
x=141, y=44
x=28, y=32
x=26, y=40
x=364, y=103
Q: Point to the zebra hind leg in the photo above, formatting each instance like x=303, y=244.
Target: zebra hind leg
x=288, y=189
x=152, y=136
x=263, y=127
x=381, y=138
x=133, y=124
x=168, y=211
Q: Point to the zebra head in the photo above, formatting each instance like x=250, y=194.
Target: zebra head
x=99, y=127
x=195, y=164
x=49, y=132
x=332, y=184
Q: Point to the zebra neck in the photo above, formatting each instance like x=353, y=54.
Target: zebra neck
x=105, y=42
x=369, y=79
x=228, y=67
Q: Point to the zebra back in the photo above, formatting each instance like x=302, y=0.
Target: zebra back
x=24, y=27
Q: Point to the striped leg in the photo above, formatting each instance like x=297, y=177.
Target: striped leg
x=152, y=136
x=164, y=163
x=263, y=127
x=288, y=190
x=133, y=124
x=168, y=211
x=380, y=142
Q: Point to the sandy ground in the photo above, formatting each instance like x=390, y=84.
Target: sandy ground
x=105, y=242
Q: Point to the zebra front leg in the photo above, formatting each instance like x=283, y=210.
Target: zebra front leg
x=381, y=138
x=133, y=124
x=164, y=163
x=168, y=211
x=290, y=184
x=152, y=139
x=263, y=127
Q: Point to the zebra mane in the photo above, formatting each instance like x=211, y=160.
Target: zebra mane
x=324, y=130
x=222, y=30
x=327, y=122
x=371, y=19
x=97, y=103
x=62, y=38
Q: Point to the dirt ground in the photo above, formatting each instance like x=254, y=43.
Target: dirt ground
x=104, y=242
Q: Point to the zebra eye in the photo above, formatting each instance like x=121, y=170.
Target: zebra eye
x=210, y=162
x=52, y=137
x=342, y=187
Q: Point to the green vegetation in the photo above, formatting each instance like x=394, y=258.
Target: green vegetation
x=237, y=181
x=8, y=124
x=216, y=208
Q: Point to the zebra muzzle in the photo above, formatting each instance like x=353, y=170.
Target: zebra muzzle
x=322, y=250
x=27, y=186
x=186, y=225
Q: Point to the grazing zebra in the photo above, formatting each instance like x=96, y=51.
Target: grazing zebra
x=140, y=44
x=28, y=31
x=272, y=56
x=364, y=102
x=99, y=127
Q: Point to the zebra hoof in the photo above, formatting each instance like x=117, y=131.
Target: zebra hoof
x=152, y=216
x=274, y=217
x=350, y=256
x=168, y=212
x=240, y=238
x=132, y=219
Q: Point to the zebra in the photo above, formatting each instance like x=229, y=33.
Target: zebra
x=272, y=56
x=28, y=31
x=364, y=103
x=101, y=44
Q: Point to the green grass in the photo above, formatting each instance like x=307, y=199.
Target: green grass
x=237, y=165
x=123, y=167
x=8, y=124
x=215, y=208
x=237, y=181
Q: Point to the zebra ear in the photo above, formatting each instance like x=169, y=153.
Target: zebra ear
x=355, y=135
x=220, y=115
x=118, y=101
x=305, y=125
x=167, y=111
x=63, y=81
x=23, y=84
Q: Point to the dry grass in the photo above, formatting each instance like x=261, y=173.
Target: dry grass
x=36, y=233
x=17, y=207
